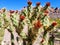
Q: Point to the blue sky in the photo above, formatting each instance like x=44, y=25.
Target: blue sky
x=19, y=4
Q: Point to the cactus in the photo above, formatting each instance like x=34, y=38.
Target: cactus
x=38, y=22
x=32, y=24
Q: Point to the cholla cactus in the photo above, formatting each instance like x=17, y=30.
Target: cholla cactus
x=37, y=20
x=32, y=24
